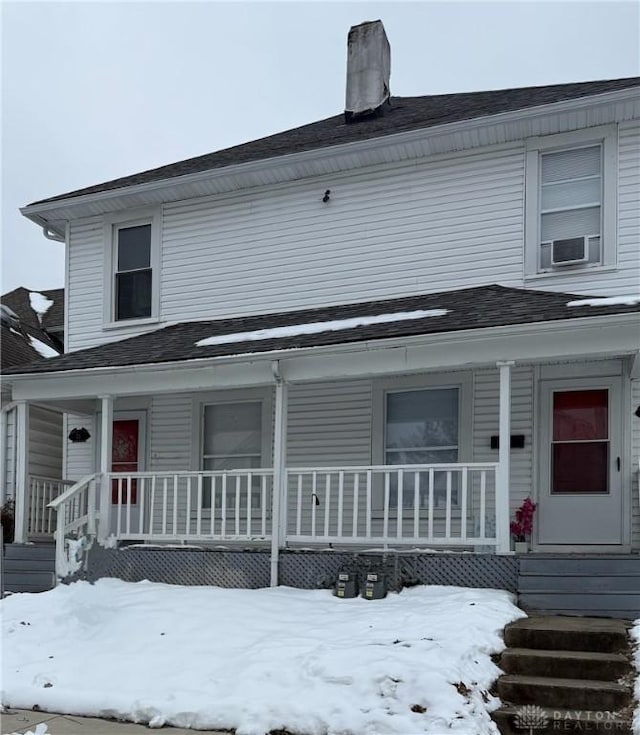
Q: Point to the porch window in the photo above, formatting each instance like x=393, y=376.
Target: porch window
x=232, y=440
x=422, y=427
x=580, y=444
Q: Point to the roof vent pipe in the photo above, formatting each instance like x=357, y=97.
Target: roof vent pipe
x=368, y=70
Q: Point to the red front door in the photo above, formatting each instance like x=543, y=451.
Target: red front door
x=124, y=458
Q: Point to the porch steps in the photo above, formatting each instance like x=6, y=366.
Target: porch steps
x=569, y=674
x=29, y=567
x=601, y=586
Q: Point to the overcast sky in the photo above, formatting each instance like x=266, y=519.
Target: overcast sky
x=96, y=90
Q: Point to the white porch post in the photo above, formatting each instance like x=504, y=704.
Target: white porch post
x=278, y=507
x=504, y=455
x=22, y=472
x=106, y=432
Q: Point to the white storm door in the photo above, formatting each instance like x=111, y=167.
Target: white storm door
x=580, y=493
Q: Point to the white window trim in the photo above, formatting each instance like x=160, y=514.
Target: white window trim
x=462, y=380
x=112, y=223
x=605, y=136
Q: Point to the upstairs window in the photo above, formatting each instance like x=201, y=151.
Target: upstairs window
x=133, y=277
x=570, y=202
x=131, y=267
x=570, y=207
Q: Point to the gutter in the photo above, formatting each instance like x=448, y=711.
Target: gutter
x=432, y=340
x=406, y=137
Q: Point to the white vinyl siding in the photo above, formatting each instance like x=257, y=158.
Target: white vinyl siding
x=80, y=456
x=8, y=436
x=45, y=443
x=405, y=228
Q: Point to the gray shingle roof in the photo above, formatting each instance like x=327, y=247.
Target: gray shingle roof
x=403, y=114
x=15, y=343
x=471, y=308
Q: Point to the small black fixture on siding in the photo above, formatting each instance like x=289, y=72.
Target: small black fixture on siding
x=78, y=436
x=327, y=196
x=517, y=441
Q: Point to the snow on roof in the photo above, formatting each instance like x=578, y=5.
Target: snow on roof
x=335, y=325
x=39, y=303
x=607, y=301
x=44, y=350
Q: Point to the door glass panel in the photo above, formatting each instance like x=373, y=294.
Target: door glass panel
x=580, y=467
x=580, y=442
x=580, y=414
x=124, y=458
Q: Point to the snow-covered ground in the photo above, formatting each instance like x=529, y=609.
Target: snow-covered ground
x=256, y=660
x=635, y=634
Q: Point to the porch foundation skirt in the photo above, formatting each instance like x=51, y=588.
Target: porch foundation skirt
x=304, y=569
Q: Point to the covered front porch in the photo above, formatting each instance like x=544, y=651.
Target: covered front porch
x=426, y=442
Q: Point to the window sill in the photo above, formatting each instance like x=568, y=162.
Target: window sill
x=580, y=272
x=124, y=323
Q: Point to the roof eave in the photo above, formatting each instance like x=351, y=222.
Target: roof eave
x=42, y=213
x=612, y=321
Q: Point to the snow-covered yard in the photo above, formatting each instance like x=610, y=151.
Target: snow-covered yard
x=257, y=660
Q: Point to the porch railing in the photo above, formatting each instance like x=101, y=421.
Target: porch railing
x=189, y=506
x=75, y=523
x=435, y=505
x=41, y=518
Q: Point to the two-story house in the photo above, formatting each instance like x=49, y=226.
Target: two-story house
x=382, y=331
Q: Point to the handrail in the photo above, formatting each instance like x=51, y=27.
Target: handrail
x=73, y=490
x=395, y=467
x=46, y=478
x=192, y=473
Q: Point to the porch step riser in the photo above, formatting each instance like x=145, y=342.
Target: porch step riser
x=596, y=585
x=29, y=567
x=29, y=581
x=564, y=665
x=29, y=551
x=519, y=690
x=566, y=640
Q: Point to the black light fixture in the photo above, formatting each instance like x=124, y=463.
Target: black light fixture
x=327, y=196
x=637, y=412
x=78, y=436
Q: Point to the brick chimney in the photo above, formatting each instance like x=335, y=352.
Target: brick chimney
x=368, y=71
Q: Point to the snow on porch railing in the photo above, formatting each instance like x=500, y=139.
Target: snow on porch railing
x=182, y=506
x=389, y=505
x=41, y=519
x=75, y=524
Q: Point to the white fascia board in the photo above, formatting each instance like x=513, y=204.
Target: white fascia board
x=337, y=151
x=576, y=338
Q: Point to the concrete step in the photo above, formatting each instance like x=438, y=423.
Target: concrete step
x=556, y=632
x=565, y=664
x=515, y=720
x=29, y=551
x=575, y=694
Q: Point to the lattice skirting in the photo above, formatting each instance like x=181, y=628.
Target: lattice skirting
x=250, y=568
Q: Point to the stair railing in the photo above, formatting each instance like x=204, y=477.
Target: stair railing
x=75, y=524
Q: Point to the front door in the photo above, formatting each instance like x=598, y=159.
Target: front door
x=126, y=456
x=580, y=492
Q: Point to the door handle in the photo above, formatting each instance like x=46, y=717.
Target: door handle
x=618, y=463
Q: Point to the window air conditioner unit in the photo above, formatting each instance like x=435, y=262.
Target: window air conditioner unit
x=569, y=251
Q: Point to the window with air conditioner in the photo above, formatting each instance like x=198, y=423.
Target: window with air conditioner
x=570, y=203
